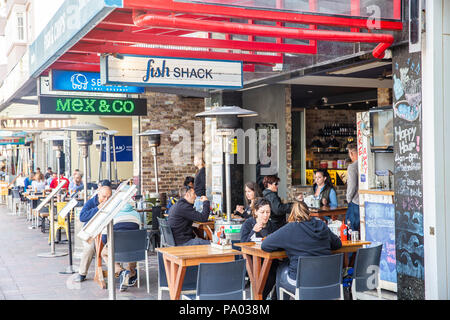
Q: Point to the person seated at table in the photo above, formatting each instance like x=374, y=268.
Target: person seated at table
x=302, y=236
x=256, y=228
x=76, y=184
x=75, y=172
x=252, y=192
x=55, y=183
x=126, y=219
x=278, y=209
x=323, y=188
x=183, y=214
x=38, y=183
x=189, y=181
x=28, y=180
x=49, y=173
x=89, y=210
x=50, y=179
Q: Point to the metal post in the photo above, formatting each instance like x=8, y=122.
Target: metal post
x=155, y=162
x=52, y=253
x=85, y=182
x=52, y=226
x=108, y=157
x=100, y=173
x=227, y=176
x=111, y=284
x=115, y=161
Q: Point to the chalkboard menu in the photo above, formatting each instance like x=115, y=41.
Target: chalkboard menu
x=380, y=228
x=407, y=97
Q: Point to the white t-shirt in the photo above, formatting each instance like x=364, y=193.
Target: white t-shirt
x=39, y=186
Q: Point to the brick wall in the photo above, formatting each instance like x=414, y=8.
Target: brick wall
x=168, y=112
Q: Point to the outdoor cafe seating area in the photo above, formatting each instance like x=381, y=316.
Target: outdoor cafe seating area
x=209, y=272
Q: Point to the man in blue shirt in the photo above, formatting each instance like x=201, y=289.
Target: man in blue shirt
x=28, y=180
x=76, y=184
x=89, y=210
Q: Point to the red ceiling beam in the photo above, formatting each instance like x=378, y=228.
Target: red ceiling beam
x=79, y=58
x=146, y=20
x=246, y=58
x=75, y=67
x=245, y=13
x=134, y=38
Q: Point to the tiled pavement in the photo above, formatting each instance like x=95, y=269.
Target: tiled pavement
x=25, y=276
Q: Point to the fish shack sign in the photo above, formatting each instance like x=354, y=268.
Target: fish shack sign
x=164, y=71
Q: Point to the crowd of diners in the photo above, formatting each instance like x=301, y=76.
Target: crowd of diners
x=38, y=182
x=280, y=226
x=277, y=225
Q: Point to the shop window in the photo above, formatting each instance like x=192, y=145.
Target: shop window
x=20, y=24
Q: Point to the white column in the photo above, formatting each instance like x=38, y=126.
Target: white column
x=436, y=149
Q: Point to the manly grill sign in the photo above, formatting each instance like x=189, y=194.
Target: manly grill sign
x=164, y=71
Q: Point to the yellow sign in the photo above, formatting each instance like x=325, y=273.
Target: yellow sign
x=234, y=146
x=3, y=189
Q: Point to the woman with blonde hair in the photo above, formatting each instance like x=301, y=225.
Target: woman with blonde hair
x=302, y=236
x=38, y=183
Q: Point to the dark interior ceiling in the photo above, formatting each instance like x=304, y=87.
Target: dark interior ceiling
x=338, y=97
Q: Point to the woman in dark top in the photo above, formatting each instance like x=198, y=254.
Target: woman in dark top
x=279, y=210
x=323, y=188
x=252, y=192
x=259, y=226
x=302, y=236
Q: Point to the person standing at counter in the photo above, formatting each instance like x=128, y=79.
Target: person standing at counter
x=323, y=188
x=352, y=214
x=199, y=181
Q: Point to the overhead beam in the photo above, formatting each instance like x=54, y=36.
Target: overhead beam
x=246, y=13
x=246, y=58
x=134, y=38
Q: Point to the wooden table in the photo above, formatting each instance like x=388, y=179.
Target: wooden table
x=259, y=261
x=202, y=228
x=177, y=259
x=329, y=212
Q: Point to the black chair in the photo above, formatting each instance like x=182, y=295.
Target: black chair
x=167, y=239
x=189, y=282
x=131, y=246
x=16, y=202
x=366, y=272
x=220, y=281
x=318, y=278
x=155, y=235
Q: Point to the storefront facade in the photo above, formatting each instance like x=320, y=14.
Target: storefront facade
x=301, y=88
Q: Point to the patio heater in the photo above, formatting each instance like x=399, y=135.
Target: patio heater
x=154, y=141
x=84, y=139
x=57, y=145
x=227, y=118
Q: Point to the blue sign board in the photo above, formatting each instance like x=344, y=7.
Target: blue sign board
x=380, y=228
x=86, y=81
x=124, y=149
